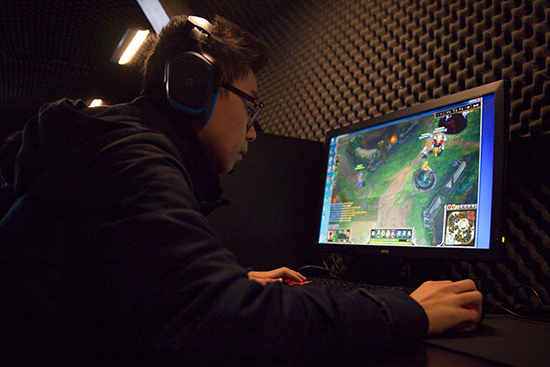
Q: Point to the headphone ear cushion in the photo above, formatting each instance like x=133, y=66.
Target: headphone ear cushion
x=193, y=77
x=190, y=83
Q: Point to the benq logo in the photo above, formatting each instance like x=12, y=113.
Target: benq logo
x=387, y=252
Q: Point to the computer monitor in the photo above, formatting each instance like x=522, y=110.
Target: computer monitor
x=425, y=181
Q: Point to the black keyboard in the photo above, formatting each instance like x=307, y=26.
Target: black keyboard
x=348, y=286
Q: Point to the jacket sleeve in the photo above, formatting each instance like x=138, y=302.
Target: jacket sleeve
x=165, y=277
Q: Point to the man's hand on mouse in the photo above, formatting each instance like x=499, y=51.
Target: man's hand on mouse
x=276, y=275
x=450, y=305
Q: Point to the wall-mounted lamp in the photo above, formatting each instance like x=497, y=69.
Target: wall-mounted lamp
x=129, y=44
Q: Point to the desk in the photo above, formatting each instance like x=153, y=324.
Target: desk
x=497, y=342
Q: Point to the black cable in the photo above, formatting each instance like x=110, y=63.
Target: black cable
x=535, y=311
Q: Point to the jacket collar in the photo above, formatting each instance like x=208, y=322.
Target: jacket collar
x=205, y=180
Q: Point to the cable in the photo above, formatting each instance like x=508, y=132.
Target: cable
x=316, y=267
x=337, y=274
x=535, y=310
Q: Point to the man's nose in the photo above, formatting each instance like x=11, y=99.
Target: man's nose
x=251, y=134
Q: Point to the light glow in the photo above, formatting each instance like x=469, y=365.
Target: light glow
x=136, y=43
x=96, y=103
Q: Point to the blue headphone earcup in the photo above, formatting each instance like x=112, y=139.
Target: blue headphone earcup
x=193, y=79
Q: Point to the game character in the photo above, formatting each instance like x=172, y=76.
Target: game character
x=424, y=153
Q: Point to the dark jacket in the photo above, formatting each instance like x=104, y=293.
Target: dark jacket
x=107, y=258
x=7, y=198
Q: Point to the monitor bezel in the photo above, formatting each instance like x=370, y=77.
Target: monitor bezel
x=497, y=232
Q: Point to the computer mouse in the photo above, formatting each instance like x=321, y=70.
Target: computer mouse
x=291, y=282
x=469, y=325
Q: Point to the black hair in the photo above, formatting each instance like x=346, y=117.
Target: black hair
x=236, y=50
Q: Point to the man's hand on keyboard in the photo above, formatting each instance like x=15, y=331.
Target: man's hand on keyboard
x=276, y=275
x=450, y=305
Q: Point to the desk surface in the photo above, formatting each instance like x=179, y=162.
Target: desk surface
x=497, y=342
x=500, y=341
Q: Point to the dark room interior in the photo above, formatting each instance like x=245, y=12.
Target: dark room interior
x=333, y=64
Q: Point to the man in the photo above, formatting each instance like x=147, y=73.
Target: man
x=107, y=257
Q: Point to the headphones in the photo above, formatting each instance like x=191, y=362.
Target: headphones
x=193, y=77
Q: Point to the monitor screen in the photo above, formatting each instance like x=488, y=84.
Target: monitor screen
x=425, y=181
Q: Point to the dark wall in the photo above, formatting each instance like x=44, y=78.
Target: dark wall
x=274, y=193
x=338, y=62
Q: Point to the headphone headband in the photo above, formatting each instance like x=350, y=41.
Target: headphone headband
x=200, y=23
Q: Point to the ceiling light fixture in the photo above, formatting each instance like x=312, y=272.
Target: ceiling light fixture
x=155, y=13
x=129, y=44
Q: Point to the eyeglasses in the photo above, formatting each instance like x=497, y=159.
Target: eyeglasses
x=252, y=111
